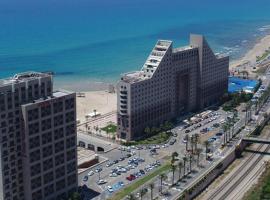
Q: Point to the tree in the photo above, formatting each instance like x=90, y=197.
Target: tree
x=187, y=140
x=86, y=127
x=131, y=197
x=75, y=196
x=173, y=172
x=206, y=143
x=142, y=192
x=185, y=159
x=197, y=139
x=190, y=162
x=147, y=130
x=168, y=125
x=225, y=129
x=162, y=178
x=192, y=142
x=153, y=130
x=198, y=153
x=151, y=186
x=173, y=156
x=180, y=166
x=95, y=112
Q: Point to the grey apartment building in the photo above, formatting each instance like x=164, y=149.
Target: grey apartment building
x=171, y=82
x=38, y=139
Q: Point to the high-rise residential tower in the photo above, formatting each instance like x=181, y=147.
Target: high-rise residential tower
x=171, y=82
x=38, y=139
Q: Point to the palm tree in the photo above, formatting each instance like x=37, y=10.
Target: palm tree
x=190, y=162
x=74, y=196
x=180, y=166
x=198, y=153
x=197, y=139
x=225, y=129
x=142, y=192
x=191, y=143
x=147, y=131
x=96, y=129
x=206, y=143
x=162, y=178
x=131, y=197
x=151, y=186
x=174, y=155
x=173, y=172
x=95, y=112
x=187, y=140
x=185, y=159
x=168, y=125
x=86, y=127
x=153, y=130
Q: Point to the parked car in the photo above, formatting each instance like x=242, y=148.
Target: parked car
x=90, y=173
x=131, y=177
x=219, y=134
x=113, y=175
x=101, y=181
x=85, y=178
x=187, y=131
x=99, y=169
x=172, y=142
x=110, y=189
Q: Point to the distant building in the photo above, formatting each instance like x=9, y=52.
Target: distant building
x=171, y=82
x=38, y=139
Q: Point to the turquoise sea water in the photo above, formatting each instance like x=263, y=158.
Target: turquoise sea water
x=97, y=40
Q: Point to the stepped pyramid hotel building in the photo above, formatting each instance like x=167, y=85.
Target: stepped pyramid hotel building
x=171, y=82
x=38, y=139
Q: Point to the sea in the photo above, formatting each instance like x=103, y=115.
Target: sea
x=90, y=43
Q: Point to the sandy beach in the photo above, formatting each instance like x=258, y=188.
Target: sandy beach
x=257, y=50
x=102, y=101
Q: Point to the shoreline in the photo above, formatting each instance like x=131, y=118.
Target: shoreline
x=97, y=97
x=87, y=85
x=258, y=49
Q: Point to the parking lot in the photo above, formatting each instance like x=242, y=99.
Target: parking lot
x=126, y=164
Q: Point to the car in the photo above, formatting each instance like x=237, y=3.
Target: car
x=109, y=164
x=128, y=155
x=172, y=142
x=131, y=177
x=110, y=189
x=142, y=171
x=115, y=161
x=85, y=178
x=187, y=131
x=219, y=134
x=101, y=181
x=99, y=169
x=211, y=140
x=121, y=183
x=216, y=125
x=113, y=175
x=184, y=141
x=90, y=173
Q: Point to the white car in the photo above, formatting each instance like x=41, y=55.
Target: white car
x=113, y=175
x=90, y=173
x=101, y=181
x=110, y=189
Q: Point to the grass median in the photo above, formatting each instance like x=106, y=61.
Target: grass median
x=129, y=189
